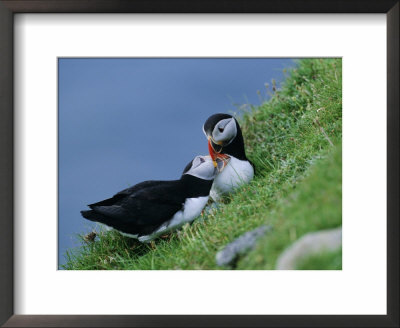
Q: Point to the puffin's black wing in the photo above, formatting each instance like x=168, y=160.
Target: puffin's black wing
x=126, y=192
x=147, y=204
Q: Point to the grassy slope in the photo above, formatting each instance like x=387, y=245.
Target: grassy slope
x=314, y=204
x=294, y=140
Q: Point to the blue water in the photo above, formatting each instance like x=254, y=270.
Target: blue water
x=123, y=121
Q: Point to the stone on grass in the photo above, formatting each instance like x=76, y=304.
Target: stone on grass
x=310, y=244
x=240, y=245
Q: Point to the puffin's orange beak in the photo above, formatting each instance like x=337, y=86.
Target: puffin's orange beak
x=211, y=150
x=214, y=155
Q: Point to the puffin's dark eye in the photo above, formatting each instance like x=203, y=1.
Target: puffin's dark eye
x=202, y=160
x=220, y=129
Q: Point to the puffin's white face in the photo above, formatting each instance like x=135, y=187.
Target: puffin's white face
x=203, y=168
x=224, y=132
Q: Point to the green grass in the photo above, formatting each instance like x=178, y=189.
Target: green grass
x=314, y=204
x=294, y=140
x=323, y=261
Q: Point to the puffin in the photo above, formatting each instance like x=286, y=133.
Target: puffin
x=152, y=208
x=226, y=148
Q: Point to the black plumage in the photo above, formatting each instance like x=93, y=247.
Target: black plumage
x=141, y=209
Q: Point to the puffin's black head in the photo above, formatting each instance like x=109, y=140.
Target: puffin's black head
x=224, y=136
x=198, y=176
x=201, y=167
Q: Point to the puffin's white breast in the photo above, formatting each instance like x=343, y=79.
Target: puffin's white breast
x=235, y=174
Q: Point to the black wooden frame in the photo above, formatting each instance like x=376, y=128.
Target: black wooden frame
x=7, y=10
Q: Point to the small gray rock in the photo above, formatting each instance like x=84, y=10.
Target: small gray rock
x=240, y=245
x=208, y=210
x=310, y=244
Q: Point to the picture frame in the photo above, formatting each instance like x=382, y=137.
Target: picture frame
x=7, y=10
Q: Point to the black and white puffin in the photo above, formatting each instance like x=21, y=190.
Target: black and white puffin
x=152, y=208
x=226, y=148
